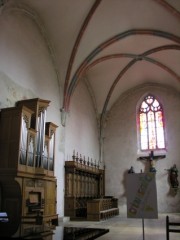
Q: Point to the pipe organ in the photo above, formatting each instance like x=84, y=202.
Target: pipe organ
x=27, y=181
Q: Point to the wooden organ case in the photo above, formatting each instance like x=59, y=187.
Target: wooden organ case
x=27, y=181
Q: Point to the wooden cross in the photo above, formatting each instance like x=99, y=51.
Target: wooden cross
x=151, y=158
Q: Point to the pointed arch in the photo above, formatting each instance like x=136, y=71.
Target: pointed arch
x=151, y=125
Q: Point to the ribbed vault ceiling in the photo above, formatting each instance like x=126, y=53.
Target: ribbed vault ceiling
x=114, y=45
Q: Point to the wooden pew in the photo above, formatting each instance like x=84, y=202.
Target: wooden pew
x=102, y=208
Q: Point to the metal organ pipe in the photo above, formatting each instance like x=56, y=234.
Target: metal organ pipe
x=40, y=137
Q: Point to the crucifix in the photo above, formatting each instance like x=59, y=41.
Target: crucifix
x=151, y=158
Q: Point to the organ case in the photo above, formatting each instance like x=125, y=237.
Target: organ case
x=27, y=145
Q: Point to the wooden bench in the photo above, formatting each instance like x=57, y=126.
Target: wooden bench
x=102, y=208
x=169, y=229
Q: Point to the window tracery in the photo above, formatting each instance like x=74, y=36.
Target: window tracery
x=151, y=124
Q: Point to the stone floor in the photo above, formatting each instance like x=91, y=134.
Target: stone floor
x=123, y=228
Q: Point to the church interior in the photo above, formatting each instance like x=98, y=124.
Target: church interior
x=89, y=105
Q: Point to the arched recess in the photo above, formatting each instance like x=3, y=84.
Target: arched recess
x=26, y=11
x=128, y=66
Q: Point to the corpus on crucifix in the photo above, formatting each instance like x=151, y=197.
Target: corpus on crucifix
x=151, y=158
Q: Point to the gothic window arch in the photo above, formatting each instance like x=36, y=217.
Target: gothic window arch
x=151, y=124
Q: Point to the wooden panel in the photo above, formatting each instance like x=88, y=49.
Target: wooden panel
x=93, y=210
x=82, y=182
x=50, y=197
x=70, y=206
x=104, y=208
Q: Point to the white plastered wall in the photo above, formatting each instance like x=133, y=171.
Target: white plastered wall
x=27, y=71
x=81, y=126
x=121, y=145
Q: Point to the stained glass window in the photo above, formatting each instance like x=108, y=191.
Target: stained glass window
x=151, y=123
